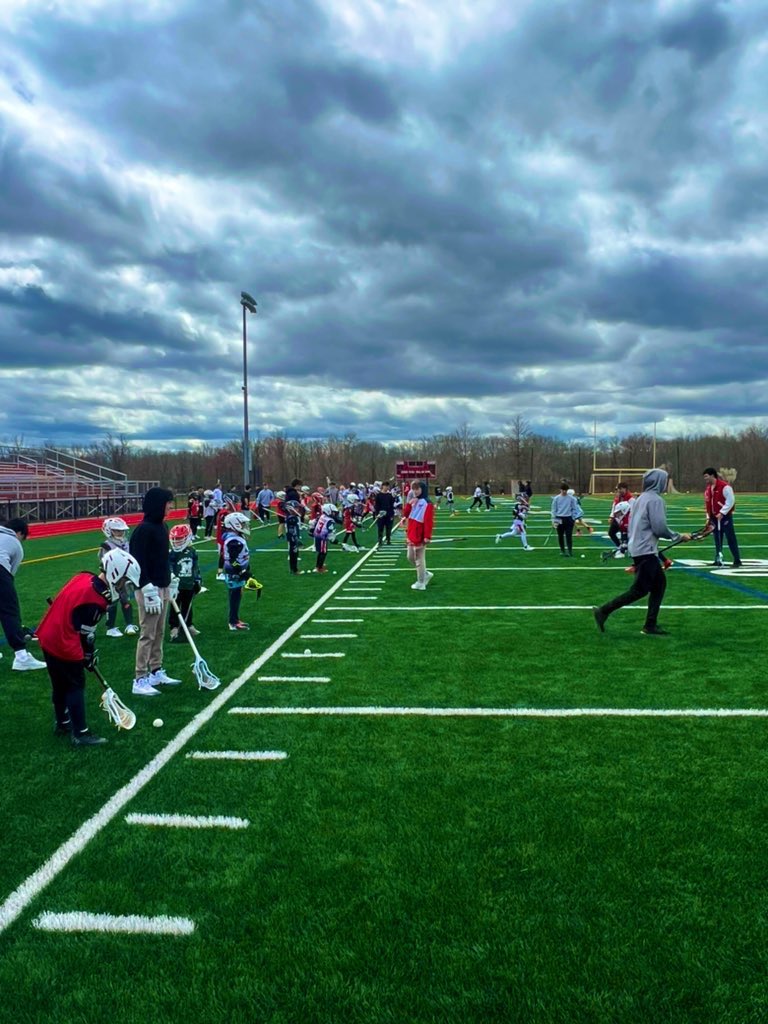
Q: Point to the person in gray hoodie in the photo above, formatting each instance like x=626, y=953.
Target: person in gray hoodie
x=648, y=522
x=11, y=555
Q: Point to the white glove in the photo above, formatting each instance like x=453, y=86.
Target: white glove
x=174, y=587
x=153, y=604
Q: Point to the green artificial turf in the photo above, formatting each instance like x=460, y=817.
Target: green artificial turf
x=414, y=869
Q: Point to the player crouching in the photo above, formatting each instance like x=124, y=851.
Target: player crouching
x=67, y=635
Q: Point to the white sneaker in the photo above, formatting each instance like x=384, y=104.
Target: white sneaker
x=194, y=631
x=174, y=633
x=528, y=548
x=24, y=662
x=418, y=586
x=131, y=630
x=161, y=678
x=143, y=688
x=114, y=631
x=219, y=576
x=429, y=577
x=498, y=537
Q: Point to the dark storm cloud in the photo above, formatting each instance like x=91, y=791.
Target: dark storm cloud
x=552, y=195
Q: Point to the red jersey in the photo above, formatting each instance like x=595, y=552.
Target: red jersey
x=57, y=633
x=415, y=531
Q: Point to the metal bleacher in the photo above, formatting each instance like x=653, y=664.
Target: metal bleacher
x=45, y=485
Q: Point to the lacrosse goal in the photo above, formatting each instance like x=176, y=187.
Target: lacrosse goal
x=605, y=481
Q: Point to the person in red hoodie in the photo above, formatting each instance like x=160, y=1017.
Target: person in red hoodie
x=419, y=514
x=67, y=635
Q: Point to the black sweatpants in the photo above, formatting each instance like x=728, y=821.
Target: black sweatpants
x=649, y=579
x=10, y=612
x=184, y=601
x=565, y=534
x=68, y=691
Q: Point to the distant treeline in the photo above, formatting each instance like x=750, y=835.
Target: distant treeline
x=463, y=458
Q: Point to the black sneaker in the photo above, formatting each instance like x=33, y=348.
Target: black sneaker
x=737, y=564
x=654, y=631
x=87, y=739
x=600, y=618
x=62, y=728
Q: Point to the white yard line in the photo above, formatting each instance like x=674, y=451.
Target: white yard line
x=512, y=712
x=15, y=903
x=336, y=621
x=329, y=654
x=357, y=599
x=238, y=755
x=187, y=821
x=328, y=636
x=551, y=607
x=293, y=679
x=130, y=924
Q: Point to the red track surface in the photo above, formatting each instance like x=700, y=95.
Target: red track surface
x=81, y=525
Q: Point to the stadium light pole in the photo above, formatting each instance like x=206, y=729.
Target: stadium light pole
x=249, y=306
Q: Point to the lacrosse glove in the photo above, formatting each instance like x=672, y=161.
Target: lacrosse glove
x=153, y=604
x=174, y=587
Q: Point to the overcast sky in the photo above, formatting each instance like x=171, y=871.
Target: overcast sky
x=448, y=212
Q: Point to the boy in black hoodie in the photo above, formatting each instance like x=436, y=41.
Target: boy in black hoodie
x=150, y=547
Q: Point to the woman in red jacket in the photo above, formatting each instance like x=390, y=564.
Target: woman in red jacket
x=419, y=513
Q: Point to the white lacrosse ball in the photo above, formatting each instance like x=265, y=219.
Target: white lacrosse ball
x=307, y=651
x=583, y=556
x=158, y=723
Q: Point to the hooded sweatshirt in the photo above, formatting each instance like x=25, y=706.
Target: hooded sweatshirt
x=11, y=551
x=149, y=540
x=648, y=520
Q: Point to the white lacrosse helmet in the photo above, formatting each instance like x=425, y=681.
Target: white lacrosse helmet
x=120, y=567
x=329, y=509
x=305, y=489
x=280, y=494
x=237, y=521
x=114, y=523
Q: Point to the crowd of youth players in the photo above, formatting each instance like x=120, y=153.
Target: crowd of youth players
x=159, y=568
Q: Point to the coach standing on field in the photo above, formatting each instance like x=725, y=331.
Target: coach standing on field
x=719, y=501
x=11, y=555
x=647, y=523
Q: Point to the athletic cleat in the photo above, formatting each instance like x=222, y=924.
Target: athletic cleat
x=161, y=678
x=527, y=547
x=62, y=728
x=654, y=631
x=193, y=631
x=737, y=564
x=418, y=586
x=236, y=626
x=87, y=739
x=114, y=631
x=143, y=688
x=320, y=571
x=498, y=537
x=429, y=577
x=131, y=630
x=600, y=618
x=24, y=662
x=174, y=634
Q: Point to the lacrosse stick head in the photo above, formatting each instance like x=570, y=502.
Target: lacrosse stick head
x=118, y=714
x=206, y=680
x=253, y=584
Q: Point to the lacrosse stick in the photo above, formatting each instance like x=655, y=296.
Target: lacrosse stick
x=206, y=680
x=118, y=714
x=376, y=518
x=698, y=535
x=549, y=536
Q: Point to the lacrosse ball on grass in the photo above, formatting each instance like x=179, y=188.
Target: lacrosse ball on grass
x=158, y=722
x=307, y=651
x=582, y=556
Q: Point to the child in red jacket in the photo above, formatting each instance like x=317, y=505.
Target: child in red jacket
x=419, y=513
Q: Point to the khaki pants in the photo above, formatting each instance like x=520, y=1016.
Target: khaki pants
x=149, y=651
x=417, y=556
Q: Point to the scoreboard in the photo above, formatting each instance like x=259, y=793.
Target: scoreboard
x=415, y=471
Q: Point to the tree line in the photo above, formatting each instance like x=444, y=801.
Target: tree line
x=463, y=458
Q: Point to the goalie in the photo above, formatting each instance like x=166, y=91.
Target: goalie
x=67, y=634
